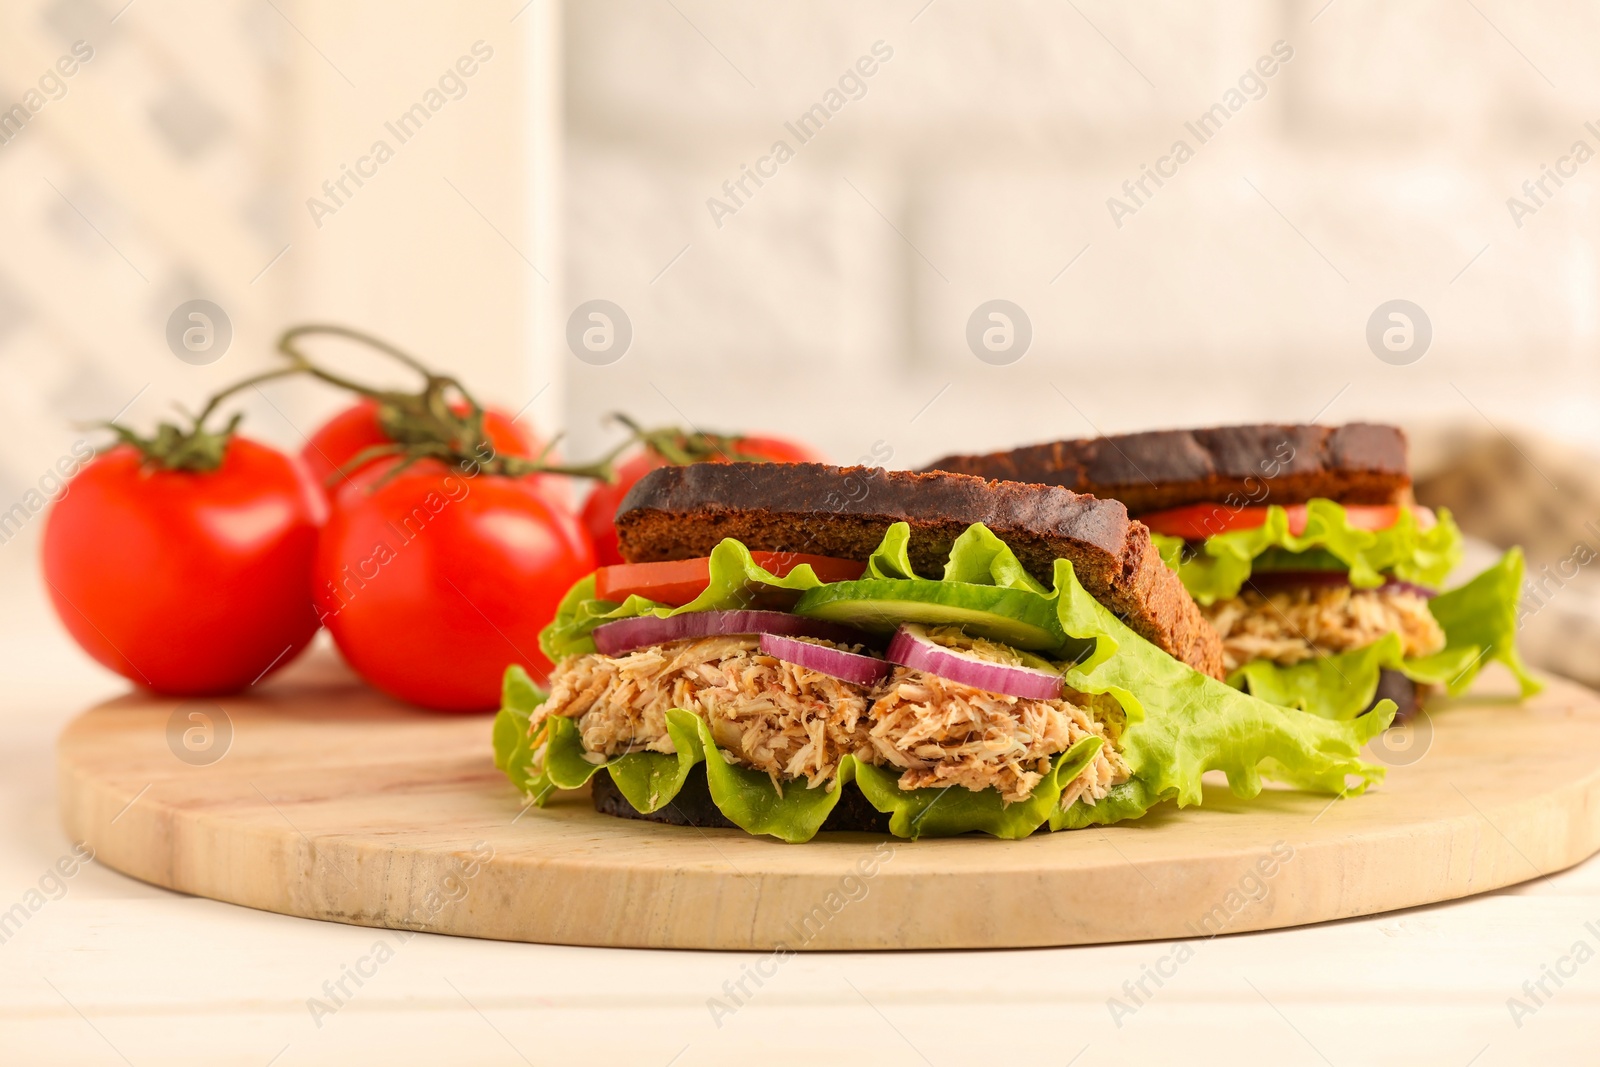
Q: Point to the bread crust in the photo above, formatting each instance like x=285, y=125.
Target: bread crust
x=682, y=512
x=1359, y=463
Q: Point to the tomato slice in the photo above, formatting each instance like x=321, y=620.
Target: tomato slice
x=1196, y=522
x=678, y=581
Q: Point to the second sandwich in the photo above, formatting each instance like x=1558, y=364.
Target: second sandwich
x=1305, y=549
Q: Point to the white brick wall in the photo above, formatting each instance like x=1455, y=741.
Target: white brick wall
x=978, y=163
x=1439, y=71
x=1019, y=73
x=762, y=286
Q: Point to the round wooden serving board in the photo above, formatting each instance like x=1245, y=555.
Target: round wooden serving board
x=332, y=802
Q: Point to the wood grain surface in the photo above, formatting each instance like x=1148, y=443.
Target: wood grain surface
x=320, y=798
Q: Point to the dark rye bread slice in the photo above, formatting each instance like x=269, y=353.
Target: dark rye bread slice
x=1361, y=463
x=683, y=512
x=1407, y=695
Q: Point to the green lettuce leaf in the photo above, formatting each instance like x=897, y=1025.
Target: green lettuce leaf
x=892, y=558
x=1479, y=620
x=954, y=810
x=564, y=761
x=1342, y=686
x=1170, y=549
x=1484, y=613
x=1182, y=723
x=1409, y=553
x=514, y=745
x=750, y=800
x=979, y=557
x=1334, y=687
x=650, y=780
x=1130, y=800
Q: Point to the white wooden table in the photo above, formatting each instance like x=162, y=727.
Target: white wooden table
x=108, y=970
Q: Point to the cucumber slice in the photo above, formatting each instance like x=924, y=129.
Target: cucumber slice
x=1016, y=617
x=1313, y=559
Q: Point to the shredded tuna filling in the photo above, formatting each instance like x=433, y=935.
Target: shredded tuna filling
x=793, y=723
x=943, y=733
x=1291, y=625
x=785, y=720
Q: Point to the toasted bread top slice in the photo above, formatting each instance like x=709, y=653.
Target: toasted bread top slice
x=683, y=512
x=1361, y=463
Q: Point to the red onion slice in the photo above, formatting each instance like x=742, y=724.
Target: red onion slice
x=911, y=647
x=625, y=635
x=1272, y=581
x=835, y=662
x=1396, y=585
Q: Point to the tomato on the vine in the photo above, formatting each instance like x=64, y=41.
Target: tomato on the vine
x=358, y=428
x=434, y=577
x=191, y=581
x=670, y=446
x=440, y=419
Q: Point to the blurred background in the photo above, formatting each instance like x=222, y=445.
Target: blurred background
x=798, y=217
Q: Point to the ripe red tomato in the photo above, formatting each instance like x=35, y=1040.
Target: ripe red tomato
x=192, y=583
x=679, y=581
x=356, y=429
x=433, y=582
x=1196, y=522
x=775, y=449
x=600, y=508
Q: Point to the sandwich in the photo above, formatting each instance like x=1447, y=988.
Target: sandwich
x=1306, y=551
x=791, y=648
